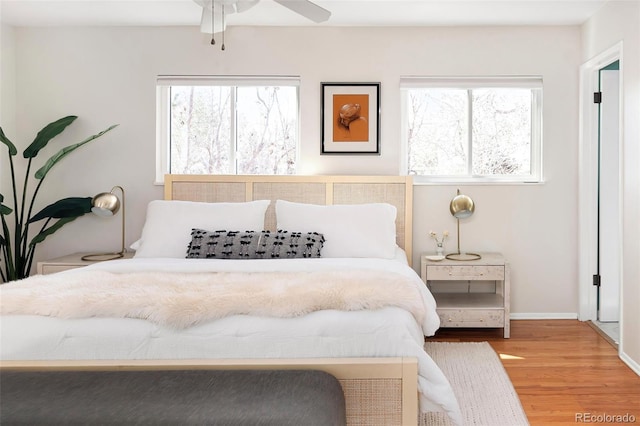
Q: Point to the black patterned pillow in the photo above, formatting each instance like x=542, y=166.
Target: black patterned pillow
x=254, y=245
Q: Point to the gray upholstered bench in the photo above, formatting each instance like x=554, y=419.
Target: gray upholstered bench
x=172, y=397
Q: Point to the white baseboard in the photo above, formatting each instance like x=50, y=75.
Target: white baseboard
x=630, y=362
x=540, y=316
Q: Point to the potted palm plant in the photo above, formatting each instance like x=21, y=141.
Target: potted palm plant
x=16, y=250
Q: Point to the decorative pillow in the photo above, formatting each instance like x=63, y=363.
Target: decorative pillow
x=253, y=245
x=168, y=223
x=358, y=230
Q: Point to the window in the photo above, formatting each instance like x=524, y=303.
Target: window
x=476, y=129
x=231, y=125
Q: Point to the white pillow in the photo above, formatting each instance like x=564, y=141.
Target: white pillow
x=350, y=230
x=167, y=229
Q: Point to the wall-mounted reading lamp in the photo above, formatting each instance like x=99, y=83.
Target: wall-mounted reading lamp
x=461, y=207
x=106, y=204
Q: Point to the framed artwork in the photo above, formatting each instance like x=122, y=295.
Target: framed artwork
x=350, y=118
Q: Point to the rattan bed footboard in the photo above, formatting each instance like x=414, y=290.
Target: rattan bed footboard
x=378, y=391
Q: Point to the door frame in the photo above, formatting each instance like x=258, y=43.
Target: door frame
x=609, y=194
x=588, y=180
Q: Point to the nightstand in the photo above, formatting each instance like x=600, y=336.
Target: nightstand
x=477, y=306
x=70, y=261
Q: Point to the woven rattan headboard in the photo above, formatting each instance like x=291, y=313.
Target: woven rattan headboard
x=395, y=190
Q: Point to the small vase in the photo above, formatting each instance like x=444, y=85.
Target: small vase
x=440, y=249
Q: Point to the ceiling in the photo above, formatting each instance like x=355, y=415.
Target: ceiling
x=267, y=12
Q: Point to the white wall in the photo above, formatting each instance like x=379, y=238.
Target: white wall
x=620, y=21
x=107, y=75
x=7, y=96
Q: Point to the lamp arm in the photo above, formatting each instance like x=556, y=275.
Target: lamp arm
x=457, y=222
x=123, y=214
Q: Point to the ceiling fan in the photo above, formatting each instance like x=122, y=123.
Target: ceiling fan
x=214, y=12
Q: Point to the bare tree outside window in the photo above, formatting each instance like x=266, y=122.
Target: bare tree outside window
x=233, y=129
x=501, y=131
x=468, y=133
x=438, y=128
x=200, y=129
x=267, y=128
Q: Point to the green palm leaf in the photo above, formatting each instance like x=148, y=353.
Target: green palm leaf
x=4, y=210
x=67, y=207
x=42, y=172
x=49, y=132
x=50, y=230
x=12, y=148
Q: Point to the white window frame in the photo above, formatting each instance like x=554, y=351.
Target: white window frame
x=163, y=85
x=470, y=83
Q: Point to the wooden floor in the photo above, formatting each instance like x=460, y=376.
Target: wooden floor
x=561, y=369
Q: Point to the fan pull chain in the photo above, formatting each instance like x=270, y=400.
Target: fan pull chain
x=223, y=26
x=213, y=23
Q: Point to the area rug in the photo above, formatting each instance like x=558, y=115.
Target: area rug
x=479, y=381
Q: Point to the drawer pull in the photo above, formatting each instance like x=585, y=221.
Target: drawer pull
x=450, y=273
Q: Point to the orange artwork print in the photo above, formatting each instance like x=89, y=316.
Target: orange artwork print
x=350, y=121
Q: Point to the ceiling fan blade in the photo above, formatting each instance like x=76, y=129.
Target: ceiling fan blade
x=244, y=5
x=307, y=9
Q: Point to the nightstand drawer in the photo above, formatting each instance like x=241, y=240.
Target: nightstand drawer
x=71, y=261
x=52, y=269
x=465, y=272
x=471, y=317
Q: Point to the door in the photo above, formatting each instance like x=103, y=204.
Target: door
x=609, y=195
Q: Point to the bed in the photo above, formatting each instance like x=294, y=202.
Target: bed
x=374, y=349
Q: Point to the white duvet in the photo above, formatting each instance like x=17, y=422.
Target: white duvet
x=386, y=332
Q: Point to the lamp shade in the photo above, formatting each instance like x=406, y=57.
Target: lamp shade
x=105, y=204
x=461, y=206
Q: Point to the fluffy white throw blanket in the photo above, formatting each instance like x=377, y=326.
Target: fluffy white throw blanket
x=181, y=300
